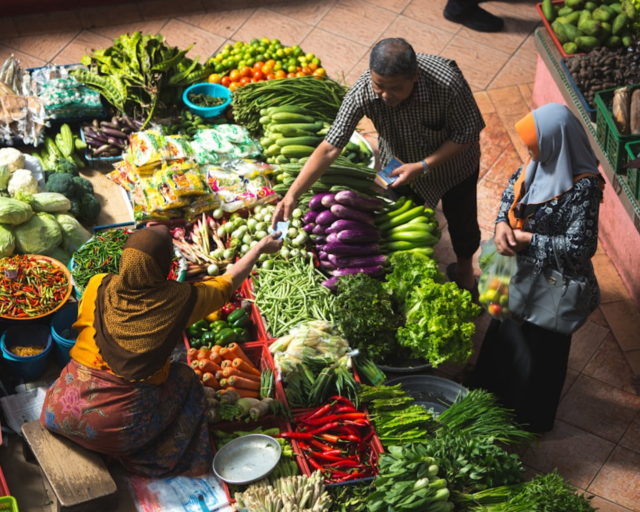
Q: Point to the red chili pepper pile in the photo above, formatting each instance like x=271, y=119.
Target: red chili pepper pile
x=336, y=439
x=38, y=288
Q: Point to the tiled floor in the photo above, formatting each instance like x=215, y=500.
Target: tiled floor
x=596, y=441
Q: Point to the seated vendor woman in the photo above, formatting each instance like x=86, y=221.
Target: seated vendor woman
x=120, y=395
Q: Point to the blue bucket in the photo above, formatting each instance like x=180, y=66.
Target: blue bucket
x=28, y=368
x=63, y=334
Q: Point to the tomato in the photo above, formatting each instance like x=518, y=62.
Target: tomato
x=253, y=80
x=258, y=65
x=226, y=81
x=245, y=71
x=214, y=78
x=306, y=70
x=313, y=66
x=495, y=309
x=270, y=63
x=244, y=81
x=280, y=73
x=233, y=86
x=291, y=75
x=320, y=72
x=300, y=74
x=266, y=69
x=257, y=75
x=494, y=284
x=234, y=75
x=271, y=76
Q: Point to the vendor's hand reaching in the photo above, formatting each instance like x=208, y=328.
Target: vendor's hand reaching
x=270, y=244
x=406, y=173
x=505, y=239
x=283, y=210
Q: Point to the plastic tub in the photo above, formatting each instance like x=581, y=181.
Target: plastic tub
x=63, y=334
x=32, y=367
x=211, y=90
x=8, y=504
x=429, y=391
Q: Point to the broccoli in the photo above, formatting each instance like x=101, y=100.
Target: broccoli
x=89, y=209
x=83, y=186
x=62, y=165
x=63, y=184
x=75, y=208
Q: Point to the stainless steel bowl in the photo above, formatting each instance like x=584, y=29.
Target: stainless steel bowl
x=247, y=459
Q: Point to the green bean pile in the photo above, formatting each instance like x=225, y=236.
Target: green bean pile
x=322, y=97
x=290, y=293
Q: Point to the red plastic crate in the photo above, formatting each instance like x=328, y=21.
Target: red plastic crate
x=547, y=25
x=247, y=291
x=4, y=488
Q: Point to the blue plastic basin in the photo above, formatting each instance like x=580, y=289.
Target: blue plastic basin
x=63, y=334
x=32, y=367
x=211, y=90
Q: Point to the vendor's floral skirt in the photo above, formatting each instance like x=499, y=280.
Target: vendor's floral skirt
x=152, y=430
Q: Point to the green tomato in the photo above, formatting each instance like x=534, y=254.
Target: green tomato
x=277, y=66
x=280, y=53
x=228, y=254
x=238, y=44
x=275, y=41
x=254, y=42
x=219, y=68
x=291, y=69
x=260, y=58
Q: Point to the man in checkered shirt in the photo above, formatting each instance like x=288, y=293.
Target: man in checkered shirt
x=425, y=116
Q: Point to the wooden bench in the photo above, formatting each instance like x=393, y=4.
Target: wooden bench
x=79, y=478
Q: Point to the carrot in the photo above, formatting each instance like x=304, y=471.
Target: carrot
x=228, y=372
x=225, y=353
x=244, y=367
x=223, y=383
x=192, y=353
x=245, y=393
x=215, y=358
x=216, y=348
x=225, y=363
x=208, y=366
x=194, y=364
x=219, y=376
x=199, y=374
x=203, y=353
x=240, y=382
x=209, y=380
x=235, y=349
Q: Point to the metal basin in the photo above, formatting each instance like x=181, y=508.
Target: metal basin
x=246, y=459
x=429, y=391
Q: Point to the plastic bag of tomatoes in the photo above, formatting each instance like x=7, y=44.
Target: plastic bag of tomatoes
x=493, y=285
x=259, y=60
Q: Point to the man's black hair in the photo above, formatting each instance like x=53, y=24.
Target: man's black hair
x=393, y=57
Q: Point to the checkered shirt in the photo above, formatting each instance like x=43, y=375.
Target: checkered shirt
x=440, y=108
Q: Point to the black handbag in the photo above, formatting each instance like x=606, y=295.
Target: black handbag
x=549, y=297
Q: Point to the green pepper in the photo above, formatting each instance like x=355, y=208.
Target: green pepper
x=238, y=318
x=195, y=342
x=225, y=336
x=193, y=332
x=202, y=325
x=241, y=334
x=218, y=325
x=208, y=339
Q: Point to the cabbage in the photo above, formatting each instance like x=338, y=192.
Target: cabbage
x=73, y=234
x=5, y=174
x=7, y=241
x=13, y=211
x=50, y=202
x=61, y=255
x=39, y=235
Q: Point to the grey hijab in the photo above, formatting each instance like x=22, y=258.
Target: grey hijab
x=563, y=153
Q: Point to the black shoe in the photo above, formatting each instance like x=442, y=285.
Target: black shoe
x=477, y=19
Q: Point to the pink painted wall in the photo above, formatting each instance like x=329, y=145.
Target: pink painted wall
x=618, y=235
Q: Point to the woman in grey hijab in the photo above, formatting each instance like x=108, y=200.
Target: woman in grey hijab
x=550, y=204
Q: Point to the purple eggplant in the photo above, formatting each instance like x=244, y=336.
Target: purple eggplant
x=319, y=240
x=310, y=217
x=341, y=225
x=332, y=238
x=350, y=250
x=319, y=229
x=327, y=265
x=329, y=200
x=332, y=284
x=329, y=230
x=358, y=236
x=357, y=201
x=372, y=271
x=308, y=228
x=357, y=261
x=324, y=256
x=348, y=213
x=326, y=218
x=315, y=203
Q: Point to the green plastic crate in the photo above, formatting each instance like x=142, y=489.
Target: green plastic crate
x=633, y=149
x=8, y=504
x=609, y=138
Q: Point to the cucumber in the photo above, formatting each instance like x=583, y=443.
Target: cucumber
x=287, y=109
x=292, y=129
x=301, y=141
x=281, y=159
x=280, y=189
x=272, y=150
x=287, y=118
x=264, y=120
x=296, y=151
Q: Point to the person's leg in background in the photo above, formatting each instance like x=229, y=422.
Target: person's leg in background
x=471, y=15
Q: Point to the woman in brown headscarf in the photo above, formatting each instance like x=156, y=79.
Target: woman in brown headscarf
x=120, y=395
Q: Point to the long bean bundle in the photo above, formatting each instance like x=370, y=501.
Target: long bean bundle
x=323, y=97
x=290, y=293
